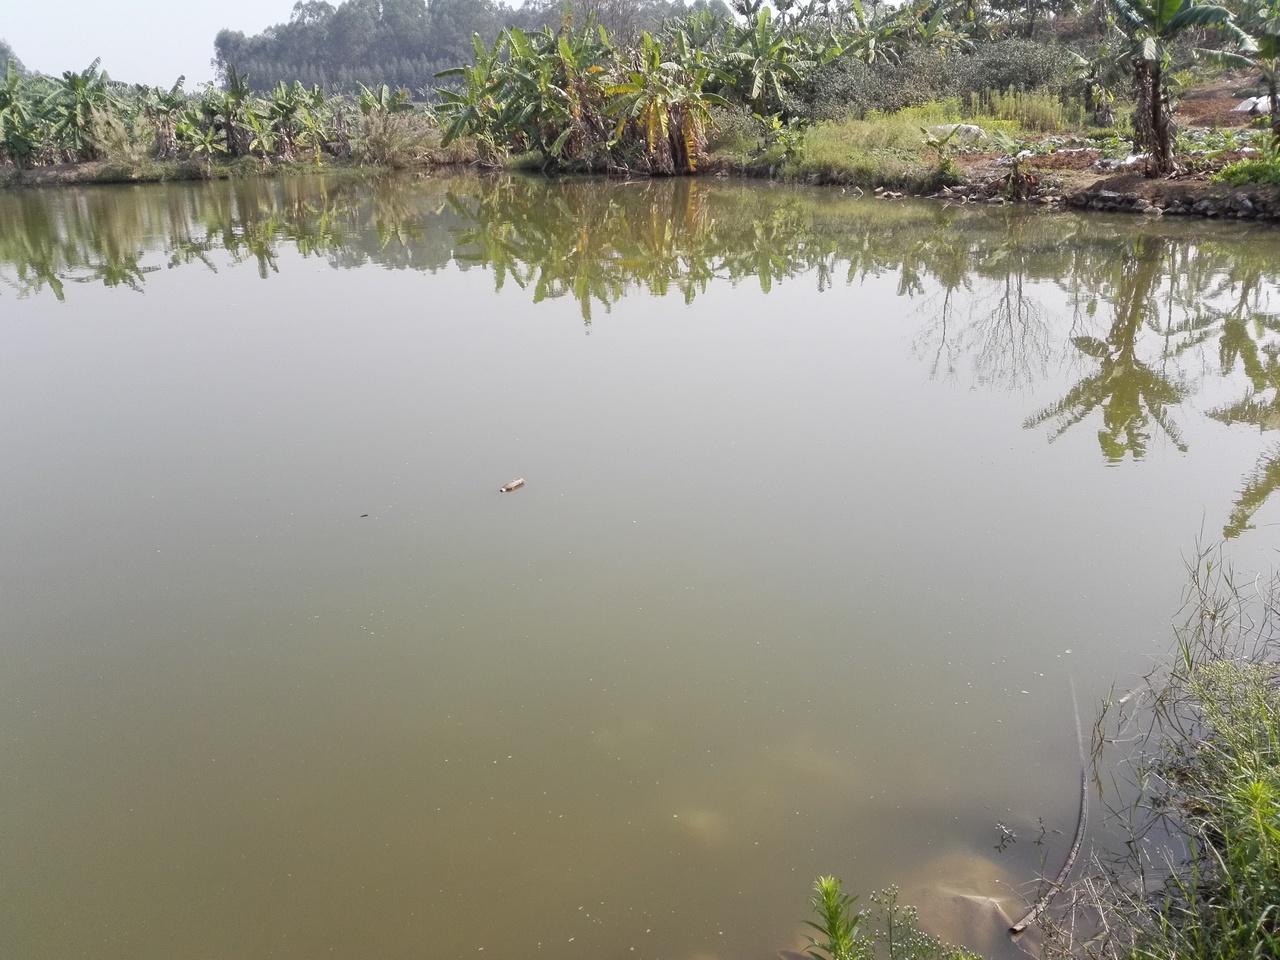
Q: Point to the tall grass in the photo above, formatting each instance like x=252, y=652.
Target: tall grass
x=888, y=149
x=1200, y=875
x=1037, y=110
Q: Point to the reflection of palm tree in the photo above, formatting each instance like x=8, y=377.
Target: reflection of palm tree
x=1130, y=393
x=1260, y=408
x=1258, y=487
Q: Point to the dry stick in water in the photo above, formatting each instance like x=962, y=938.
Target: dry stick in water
x=1051, y=891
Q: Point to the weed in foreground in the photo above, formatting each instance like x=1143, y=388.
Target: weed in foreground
x=891, y=928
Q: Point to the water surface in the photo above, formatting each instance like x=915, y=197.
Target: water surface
x=828, y=501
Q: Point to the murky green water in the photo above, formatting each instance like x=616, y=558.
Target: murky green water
x=828, y=502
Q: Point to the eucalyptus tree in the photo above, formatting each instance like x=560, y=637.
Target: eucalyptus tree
x=1150, y=28
x=7, y=56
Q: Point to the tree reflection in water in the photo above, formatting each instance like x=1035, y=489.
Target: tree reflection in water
x=1008, y=293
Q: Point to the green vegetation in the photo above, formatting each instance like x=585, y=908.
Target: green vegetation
x=827, y=92
x=892, y=925
x=1207, y=780
x=1263, y=170
x=153, y=133
x=1149, y=31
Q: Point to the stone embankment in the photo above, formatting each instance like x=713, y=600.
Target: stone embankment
x=1152, y=198
x=1241, y=204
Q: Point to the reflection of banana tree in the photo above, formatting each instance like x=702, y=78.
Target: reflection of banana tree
x=1259, y=408
x=1131, y=394
x=1258, y=488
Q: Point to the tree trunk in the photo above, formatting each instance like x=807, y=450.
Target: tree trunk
x=1273, y=102
x=1152, y=127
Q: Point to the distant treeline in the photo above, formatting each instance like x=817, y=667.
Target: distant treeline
x=7, y=56
x=405, y=43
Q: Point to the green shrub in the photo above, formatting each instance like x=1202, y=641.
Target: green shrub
x=1264, y=172
x=847, y=87
x=1013, y=64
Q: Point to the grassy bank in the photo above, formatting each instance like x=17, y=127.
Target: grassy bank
x=1193, y=759
x=917, y=149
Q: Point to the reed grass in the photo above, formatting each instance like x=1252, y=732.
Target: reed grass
x=1032, y=110
x=1198, y=873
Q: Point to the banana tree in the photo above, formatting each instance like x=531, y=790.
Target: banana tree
x=383, y=99
x=471, y=107
x=764, y=60
x=225, y=110
x=664, y=99
x=71, y=107
x=162, y=108
x=1261, y=18
x=285, y=113
x=1150, y=28
x=1260, y=408
x=19, y=131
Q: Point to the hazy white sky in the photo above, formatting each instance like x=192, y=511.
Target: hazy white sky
x=139, y=41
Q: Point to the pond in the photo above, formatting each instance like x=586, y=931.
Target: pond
x=829, y=501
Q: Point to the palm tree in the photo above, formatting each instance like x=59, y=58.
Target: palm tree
x=19, y=132
x=764, y=60
x=72, y=105
x=1150, y=28
x=665, y=100
x=162, y=108
x=1262, y=19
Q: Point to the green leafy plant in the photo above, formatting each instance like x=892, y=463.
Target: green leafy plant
x=892, y=928
x=1263, y=170
x=837, y=923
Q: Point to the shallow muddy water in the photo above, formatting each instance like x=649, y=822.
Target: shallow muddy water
x=828, y=502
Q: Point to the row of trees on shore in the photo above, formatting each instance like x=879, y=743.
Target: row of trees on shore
x=581, y=97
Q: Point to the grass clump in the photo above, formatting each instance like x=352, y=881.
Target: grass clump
x=1200, y=877
x=1037, y=110
x=897, y=150
x=1264, y=171
x=891, y=928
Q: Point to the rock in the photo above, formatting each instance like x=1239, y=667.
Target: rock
x=1245, y=206
x=1141, y=203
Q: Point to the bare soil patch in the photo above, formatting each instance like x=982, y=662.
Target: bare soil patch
x=1214, y=104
